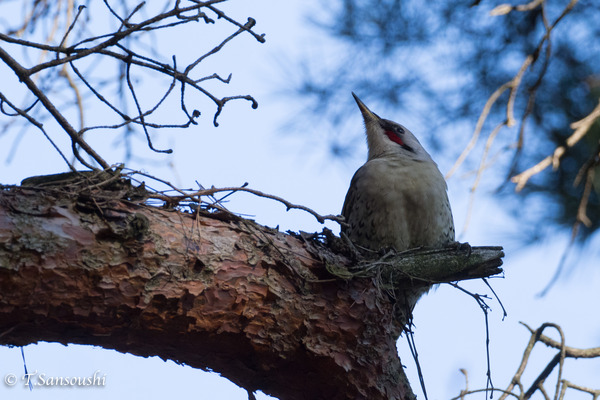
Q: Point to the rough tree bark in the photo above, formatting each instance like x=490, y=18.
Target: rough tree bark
x=268, y=310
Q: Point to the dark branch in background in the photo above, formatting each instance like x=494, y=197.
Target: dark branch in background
x=512, y=86
x=120, y=46
x=581, y=129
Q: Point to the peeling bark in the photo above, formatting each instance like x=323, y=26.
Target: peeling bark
x=208, y=290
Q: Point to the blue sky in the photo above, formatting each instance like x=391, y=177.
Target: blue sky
x=254, y=146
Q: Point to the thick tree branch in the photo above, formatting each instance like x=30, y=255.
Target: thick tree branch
x=90, y=263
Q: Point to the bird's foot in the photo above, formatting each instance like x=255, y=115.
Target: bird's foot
x=462, y=247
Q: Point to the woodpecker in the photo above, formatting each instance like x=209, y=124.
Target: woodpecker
x=398, y=199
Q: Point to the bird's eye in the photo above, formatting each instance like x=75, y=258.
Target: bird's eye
x=399, y=130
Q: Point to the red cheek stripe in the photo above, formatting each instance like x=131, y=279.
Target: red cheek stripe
x=394, y=138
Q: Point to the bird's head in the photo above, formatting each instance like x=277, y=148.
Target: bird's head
x=387, y=138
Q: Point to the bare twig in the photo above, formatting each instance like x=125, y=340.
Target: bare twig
x=492, y=390
x=589, y=169
x=570, y=352
x=62, y=121
x=140, y=113
x=480, y=170
x=64, y=39
x=287, y=204
x=557, y=360
x=410, y=339
x=513, y=85
x=566, y=384
x=480, y=299
x=581, y=127
x=196, y=196
x=31, y=120
x=112, y=46
x=465, y=391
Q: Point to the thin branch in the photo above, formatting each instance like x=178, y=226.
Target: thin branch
x=64, y=39
x=480, y=299
x=78, y=99
x=251, y=22
x=566, y=384
x=492, y=390
x=31, y=120
x=23, y=75
x=589, y=170
x=140, y=113
x=289, y=206
x=479, y=175
x=571, y=352
x=587, y=191
x=504, y=313
x=102, y=46
x=513, y=85
x=535, y=337
x=196, y=196
x=410, y=339
x=557, y=360
x=581, y=128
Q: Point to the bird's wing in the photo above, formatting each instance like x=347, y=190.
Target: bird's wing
x=351, y=197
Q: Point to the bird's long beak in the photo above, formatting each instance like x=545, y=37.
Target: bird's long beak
x=368, y=115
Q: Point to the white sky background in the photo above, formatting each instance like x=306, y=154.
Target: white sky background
x=252, y=146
